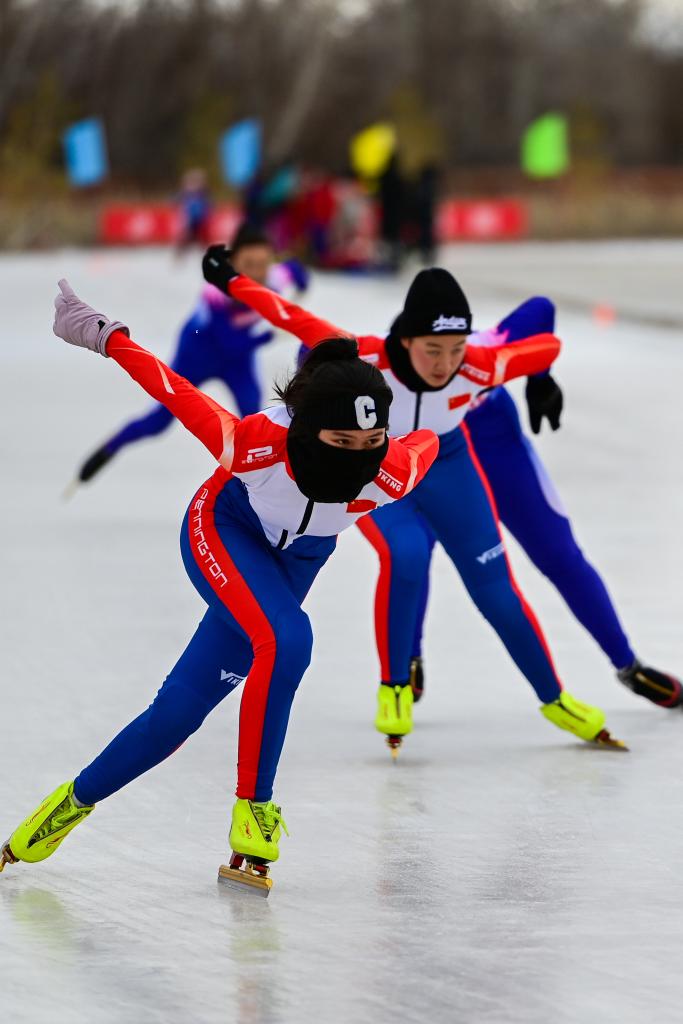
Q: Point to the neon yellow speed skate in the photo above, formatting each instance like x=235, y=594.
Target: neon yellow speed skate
x=42, y=832
x=254, y=834
x=394, y=715
x=585, y=721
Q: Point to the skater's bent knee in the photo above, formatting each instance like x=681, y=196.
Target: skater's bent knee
x=294, y=640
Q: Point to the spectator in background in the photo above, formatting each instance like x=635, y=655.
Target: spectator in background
x=194, y=202
x=392, y=201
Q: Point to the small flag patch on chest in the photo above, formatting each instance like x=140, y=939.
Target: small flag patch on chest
x=361, y=505
x=455, y=401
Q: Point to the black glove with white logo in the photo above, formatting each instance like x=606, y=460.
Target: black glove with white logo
x=544, y=400
x=217, y=268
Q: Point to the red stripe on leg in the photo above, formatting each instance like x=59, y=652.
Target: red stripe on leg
x=528, y=611
x=231, y=588
x=372, y=533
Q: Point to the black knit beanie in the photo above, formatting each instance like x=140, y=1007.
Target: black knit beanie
x=435, y=304
x=333, y=389
x=345, y=395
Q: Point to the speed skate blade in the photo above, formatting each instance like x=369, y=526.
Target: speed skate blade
x=608, y=742
x=6, y=856
x=245, y=878
x=394, y=744
x=70, y=490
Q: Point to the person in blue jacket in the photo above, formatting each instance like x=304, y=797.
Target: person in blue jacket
x=218, y=341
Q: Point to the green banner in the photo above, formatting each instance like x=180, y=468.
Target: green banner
x=545, y=147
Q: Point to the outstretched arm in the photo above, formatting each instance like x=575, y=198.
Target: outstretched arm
x=210, y=423
x=79, y=324
x=496, y=365
x=310, y=329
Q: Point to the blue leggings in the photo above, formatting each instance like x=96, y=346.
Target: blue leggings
x=531, y=509
x=254, y=627
x=200, y=357
x=453, y=505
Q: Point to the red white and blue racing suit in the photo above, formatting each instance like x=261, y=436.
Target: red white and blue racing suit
x=454, y=504
x=252, y=545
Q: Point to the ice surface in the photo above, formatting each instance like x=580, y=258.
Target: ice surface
x=499, y=872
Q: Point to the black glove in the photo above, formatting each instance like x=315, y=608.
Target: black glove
x=217, y=268
x=544, y=398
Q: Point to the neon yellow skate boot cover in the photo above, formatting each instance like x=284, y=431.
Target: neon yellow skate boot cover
x=256, y=829
x=42, y=832
x=394, y=710
x=571, y=714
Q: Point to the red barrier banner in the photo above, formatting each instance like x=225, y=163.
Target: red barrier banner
x=457, y=220
x=483, y=220
x=154, y=224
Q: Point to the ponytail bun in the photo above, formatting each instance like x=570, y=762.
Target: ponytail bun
x=333, y=350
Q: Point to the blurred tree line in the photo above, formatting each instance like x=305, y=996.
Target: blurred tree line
x=463, y=77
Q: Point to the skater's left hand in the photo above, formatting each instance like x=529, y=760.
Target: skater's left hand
x=544, y=399
x=78, y=323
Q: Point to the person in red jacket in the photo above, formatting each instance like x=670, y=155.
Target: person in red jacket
x=435, y=376
x=254, y=538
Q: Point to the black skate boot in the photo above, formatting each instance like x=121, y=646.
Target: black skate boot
x=417, y=678
x=664, y=690
x=94, y=464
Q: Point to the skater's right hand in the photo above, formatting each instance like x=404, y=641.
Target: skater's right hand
x=78, y=323
x=217, y=268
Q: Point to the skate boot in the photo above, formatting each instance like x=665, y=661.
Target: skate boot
x=417, y=678
x=664, y=690
x=92, y=465
x=41, y=833
x=585, y=721
x=394, y=715
x=254, y=836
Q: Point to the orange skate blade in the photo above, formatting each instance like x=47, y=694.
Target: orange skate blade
x=6, y=856
x=394, y=744
x=605, y=739
x=245, y=877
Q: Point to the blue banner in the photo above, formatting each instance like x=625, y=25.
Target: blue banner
x=240, y=152
x=85, y=152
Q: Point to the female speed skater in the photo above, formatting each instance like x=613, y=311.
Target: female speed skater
x=254, y=538
x=218, y=341
x=435, y=377
x=533, y=512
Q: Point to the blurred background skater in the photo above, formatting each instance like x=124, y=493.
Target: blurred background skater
x=219, y=341
x=435, y=377
x=194, y=207
x=532, y=510
x=254, y=538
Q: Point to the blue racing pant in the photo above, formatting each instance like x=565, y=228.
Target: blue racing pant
x=452, y=504
x=531, y=509
x=254, y=627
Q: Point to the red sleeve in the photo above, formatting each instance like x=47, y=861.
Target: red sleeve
x=489, y=366
x=407, y=461
x=273, y=307
x=213, y=425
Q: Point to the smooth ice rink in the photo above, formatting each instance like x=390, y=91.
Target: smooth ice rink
x=499, y=873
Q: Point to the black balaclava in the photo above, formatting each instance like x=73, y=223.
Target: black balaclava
x=435, y=304
x=343, y=393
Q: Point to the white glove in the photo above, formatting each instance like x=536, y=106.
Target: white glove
x=79, y=324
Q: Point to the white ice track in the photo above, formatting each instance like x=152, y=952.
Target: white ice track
x=500, y=872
